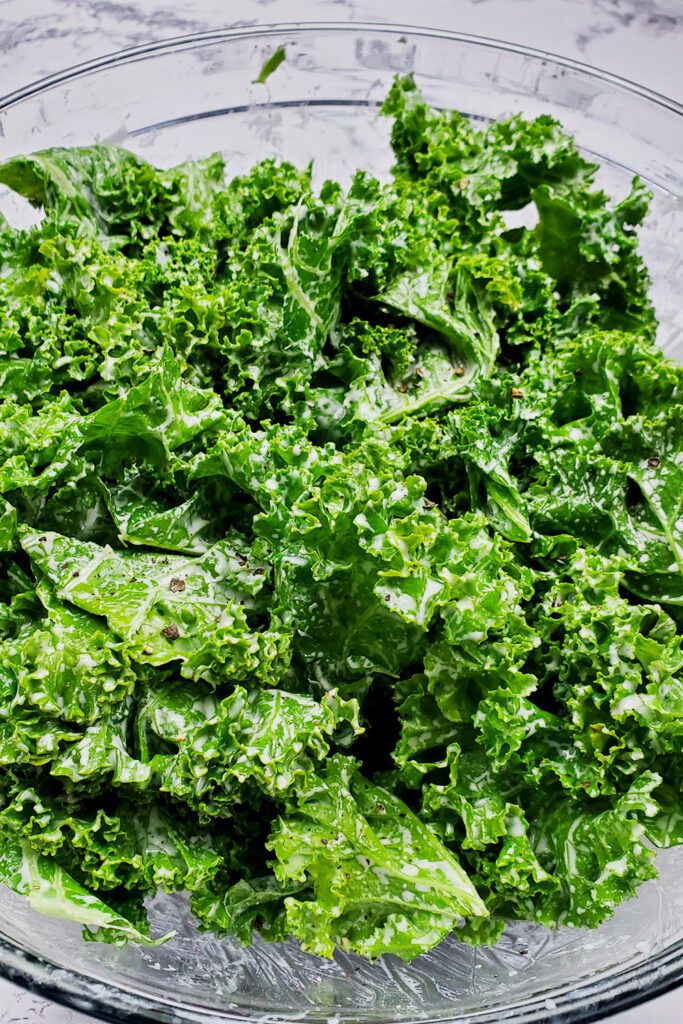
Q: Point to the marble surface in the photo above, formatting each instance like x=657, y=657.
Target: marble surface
x=638, y=39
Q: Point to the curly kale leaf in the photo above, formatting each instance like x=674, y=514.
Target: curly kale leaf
x=51, y=890
x=381, y=880
x=110, y=191
x=167, y=607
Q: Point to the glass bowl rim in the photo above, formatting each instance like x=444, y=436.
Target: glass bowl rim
x=186, y=41
x=579, y=1004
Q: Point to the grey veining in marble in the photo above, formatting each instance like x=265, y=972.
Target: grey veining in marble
x=639, y=39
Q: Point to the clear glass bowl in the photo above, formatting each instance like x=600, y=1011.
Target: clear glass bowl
x=189, y=97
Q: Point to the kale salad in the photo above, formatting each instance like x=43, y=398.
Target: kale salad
x=341, y=543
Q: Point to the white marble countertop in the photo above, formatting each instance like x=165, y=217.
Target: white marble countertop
x=637, y=39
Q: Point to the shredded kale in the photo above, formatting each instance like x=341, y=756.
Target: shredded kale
x=341, y=543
